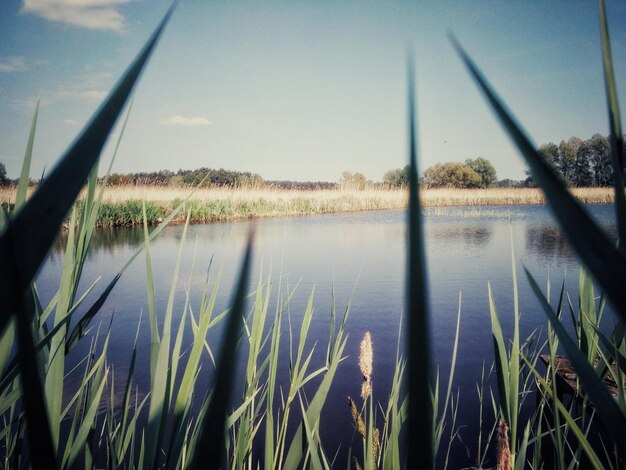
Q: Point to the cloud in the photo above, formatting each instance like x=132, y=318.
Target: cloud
x=90, y=14
x=179, y=120
x=87, y=95
x=12, y=64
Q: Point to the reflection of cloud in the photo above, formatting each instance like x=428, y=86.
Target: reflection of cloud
x=91, y=14
x=179, y=120
x=12, y=64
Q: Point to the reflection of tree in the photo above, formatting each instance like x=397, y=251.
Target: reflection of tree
x=107, y=240
x=549, y=243
x=478, y=235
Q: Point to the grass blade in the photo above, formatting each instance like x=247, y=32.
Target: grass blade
x=30, y=234
x=595, y=249
x=615, y=123
x=43, y=454
x=612, y=417
x=22, y=186
x=420, y=430
x=211, y=447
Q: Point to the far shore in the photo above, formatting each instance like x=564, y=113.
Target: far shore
x=122, y=206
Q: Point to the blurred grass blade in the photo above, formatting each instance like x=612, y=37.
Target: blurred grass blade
x=211, y=447
x=615, y=123
x=22, y=185
x=43, y=453
x=606, y=408
x=595, y=249
x=419, y=434
x=30, y=234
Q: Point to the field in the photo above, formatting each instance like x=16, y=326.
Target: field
x=123, y=205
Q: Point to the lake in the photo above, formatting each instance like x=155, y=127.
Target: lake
x=361, y=256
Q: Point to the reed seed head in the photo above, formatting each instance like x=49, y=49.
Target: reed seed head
x=375, y=446
x=504, y=453
x=356, y=416
x=366, y=359
x=366, y=356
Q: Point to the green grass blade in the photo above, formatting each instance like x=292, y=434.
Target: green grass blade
x=595, y=249
x=38, y=427
x=550, y=389
x=612, y=417
x=501, y=358
x=419, y=433
x=22, y=185
x=514, y=363
x=28, y=237
x=211, y=447
x=78, y=446
x=615, y=123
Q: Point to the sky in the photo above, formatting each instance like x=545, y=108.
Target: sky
x=296, y=90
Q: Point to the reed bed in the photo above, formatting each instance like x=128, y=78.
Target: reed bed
x=123, y=205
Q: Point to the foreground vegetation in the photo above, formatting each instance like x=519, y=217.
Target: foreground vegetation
x=52, y=422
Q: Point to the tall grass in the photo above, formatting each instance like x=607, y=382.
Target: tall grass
x=175, y=424
x=122, y=206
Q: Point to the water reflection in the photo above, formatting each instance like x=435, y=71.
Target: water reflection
x=549, y=243
x=104, y=241
x=470, y=235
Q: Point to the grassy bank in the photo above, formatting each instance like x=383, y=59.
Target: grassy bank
x=123, y=205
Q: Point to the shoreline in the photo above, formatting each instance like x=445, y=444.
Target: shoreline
x=123, y=206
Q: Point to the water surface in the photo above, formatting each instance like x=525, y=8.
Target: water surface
x=361, y=257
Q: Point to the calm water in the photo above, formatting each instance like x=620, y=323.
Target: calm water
x=361, y=256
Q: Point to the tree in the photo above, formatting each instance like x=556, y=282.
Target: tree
x=451, y=175
x=353, y=181
x=3, y=175
x=566, y=162
x=601, y=161
x=485, y=170
x=398, y=178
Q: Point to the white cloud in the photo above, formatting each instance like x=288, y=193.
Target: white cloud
x=87, y=95
x=179, y=120
x=12, y=64
x=91, y=14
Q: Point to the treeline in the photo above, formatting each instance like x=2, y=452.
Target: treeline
x=580, y=163
x=205, y=177
x=473, y=173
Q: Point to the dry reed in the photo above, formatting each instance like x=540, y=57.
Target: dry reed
x=222, y=204
x=504, y=453
x=366, y=359
x=356, y=416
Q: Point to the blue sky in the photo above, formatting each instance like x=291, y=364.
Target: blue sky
x=303, y=90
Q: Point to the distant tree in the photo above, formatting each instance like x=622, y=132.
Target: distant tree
x=451, y=175
x=4, y=181
x=566, y=162
x=397, y=178
x=485, y=170
x=509, y=183
x=353, y=181
x=599, y=152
